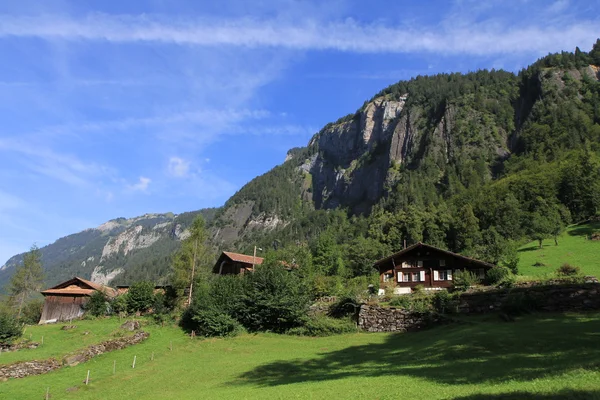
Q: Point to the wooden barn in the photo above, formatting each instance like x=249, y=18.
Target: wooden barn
x=235, y=263
x=66, y=300
x=425, y=265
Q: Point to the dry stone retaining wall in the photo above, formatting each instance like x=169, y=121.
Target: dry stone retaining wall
x=35, y=367
x=548, y=298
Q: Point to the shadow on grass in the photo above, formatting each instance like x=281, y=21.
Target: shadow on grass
x=568, y=394
x=530, y=248
x=476, y=353
x=585, y=230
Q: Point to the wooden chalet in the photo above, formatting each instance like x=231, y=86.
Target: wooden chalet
x=66, y=300
x=429, y=266
x=235, y=263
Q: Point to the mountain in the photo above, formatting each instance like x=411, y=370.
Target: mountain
x=114, y=251
x=463, y=161
x=424, y=142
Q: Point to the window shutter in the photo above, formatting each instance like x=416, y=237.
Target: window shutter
x=400, y=276
x=422, y=276
x=436, y=276
x=449, y=274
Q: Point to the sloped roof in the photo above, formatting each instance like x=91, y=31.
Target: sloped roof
x=243, y=258
x=79, y=286
x=430, y=247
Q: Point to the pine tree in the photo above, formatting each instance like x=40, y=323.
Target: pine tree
x=28, y=278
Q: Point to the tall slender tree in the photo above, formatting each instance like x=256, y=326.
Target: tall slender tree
x=28, y=278
x=189, y=260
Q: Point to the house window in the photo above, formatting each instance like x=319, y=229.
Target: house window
x=406, y=277
x=415, y=277
x=442, y=263
x=443, y=275
x=420, y=264
x=388, y=277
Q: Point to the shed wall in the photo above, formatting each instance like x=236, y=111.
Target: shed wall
x=63, y=308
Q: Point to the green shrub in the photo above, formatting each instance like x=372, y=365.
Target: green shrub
x=140, y=297
x=498, y=275
x=32, y=312
x=324, y=326
x=10, y=328
x=98, y=304
x=568, y=270
x=119, y=304
x=416, y=302
x=274, y=300
x=346, y=306
x=445, y=302
x=210, y=323
x=463, y=280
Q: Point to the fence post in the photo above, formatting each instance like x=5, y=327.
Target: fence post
x=87, y=379
x=134, y=357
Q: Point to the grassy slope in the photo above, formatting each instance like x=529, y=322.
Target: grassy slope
x=549, y=356
x=573, y=248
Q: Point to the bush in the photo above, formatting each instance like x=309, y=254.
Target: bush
x=210, y=323
x=140, y=297
x=274, y=300
x=463, y=280
x=32, y=312
x=323, y=326
x=98, y=304
x=416, y=302
x=568, y=270
x=119, y=304
x=445, y=302
x=498, y=275
x=346, y=306
x=10, y=329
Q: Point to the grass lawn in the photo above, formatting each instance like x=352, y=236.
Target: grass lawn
x=57, y=343
x=573, y=248
x=547, y=356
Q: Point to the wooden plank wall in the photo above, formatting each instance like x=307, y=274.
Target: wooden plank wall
x=63, y=308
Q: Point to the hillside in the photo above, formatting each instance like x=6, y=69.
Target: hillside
x=574, y=248
x=113, y=251
x=539, y=357
x=469, y=162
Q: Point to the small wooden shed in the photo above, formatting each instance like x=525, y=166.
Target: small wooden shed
x=66, y=300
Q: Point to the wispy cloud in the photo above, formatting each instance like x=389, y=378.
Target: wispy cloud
x=141, y=185
x=66, y=168
x=347, y=35
x=178, y=167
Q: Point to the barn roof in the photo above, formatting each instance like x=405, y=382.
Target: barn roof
x=243, y=258
x=79, y=286
x=433, y=248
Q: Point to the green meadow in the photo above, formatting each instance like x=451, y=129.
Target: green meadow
x=574, y=247
x=551, y=356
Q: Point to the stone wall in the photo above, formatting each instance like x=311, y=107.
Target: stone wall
x=390, y=319
x=35, y=367
x=551, y=298
x=547, y=298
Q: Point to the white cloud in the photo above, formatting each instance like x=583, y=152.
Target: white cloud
x=348, y=35
x=142, y=184
x=178, y=167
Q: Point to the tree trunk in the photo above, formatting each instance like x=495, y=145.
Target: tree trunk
x=21, y=304
x=541, y=240
x=555, y=240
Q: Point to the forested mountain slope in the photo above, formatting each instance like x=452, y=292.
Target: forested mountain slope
x=470, y=162
x=114, y=251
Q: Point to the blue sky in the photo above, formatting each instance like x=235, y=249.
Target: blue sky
x=111, y=108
